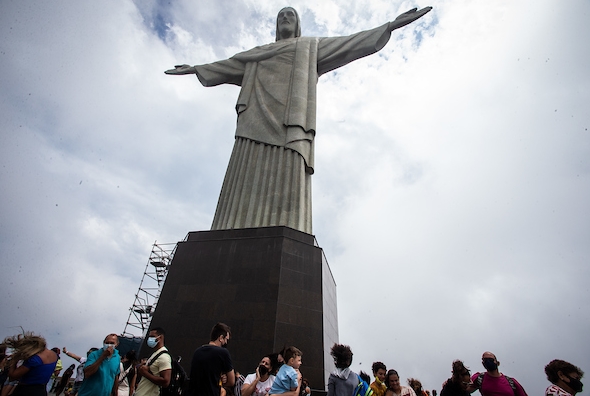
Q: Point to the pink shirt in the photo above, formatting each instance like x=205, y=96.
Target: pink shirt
x=498, y=386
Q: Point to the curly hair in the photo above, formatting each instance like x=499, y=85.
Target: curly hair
x=556, y=366
x=342, y=355
x=25, y=345
x=459, y=370
x=378, y=365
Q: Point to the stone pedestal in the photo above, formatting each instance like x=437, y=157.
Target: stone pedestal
x=271, y=285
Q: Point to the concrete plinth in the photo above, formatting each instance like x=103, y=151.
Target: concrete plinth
x=271, y=285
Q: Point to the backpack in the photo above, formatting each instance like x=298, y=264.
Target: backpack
x=362, y=389
x=479, y=381
x=177, y=378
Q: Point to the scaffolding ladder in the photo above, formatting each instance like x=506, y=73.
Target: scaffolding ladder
x=146, y=298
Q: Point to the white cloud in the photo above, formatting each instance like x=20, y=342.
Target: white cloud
x=453, y=176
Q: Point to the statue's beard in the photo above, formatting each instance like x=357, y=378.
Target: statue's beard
x=286, y=30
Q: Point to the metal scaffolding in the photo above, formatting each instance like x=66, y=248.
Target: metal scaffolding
x=146, y=298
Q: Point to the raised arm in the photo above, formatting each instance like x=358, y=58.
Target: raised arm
x=248, y=389
x=72, y=355
x=408, y=17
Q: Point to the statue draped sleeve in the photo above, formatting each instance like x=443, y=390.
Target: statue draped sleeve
x=311, y=57
x=335, y=52
x=228, y=71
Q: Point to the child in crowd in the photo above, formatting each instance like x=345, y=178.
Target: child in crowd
x=288, y=379
x=378, y=386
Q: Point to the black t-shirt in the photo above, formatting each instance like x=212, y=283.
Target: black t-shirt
x=209, y=362
x=453, y=389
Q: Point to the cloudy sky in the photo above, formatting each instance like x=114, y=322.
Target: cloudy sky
x=452, y=185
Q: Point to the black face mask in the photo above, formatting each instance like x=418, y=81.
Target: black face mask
x=575, y=384
x=489, y=364
x=262, y=370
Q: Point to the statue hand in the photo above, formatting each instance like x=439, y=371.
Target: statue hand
x=408, y=17
x=181, y=69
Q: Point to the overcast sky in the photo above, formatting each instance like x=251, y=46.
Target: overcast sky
x=452, y=185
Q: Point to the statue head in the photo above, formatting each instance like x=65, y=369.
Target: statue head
x=288, y=23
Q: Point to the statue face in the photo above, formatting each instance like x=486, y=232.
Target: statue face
x=287, y=23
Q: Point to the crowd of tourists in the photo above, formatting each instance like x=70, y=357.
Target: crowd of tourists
x=29, y=368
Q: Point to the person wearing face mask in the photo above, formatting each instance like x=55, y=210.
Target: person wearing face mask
x=260, y=382
x=493, y=382
x=156, y=372
x=101, y=369
x=565, y=378
x=210, y=362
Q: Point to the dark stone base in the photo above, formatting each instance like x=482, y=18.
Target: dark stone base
x=272, y=286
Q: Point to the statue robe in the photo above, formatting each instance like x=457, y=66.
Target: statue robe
x=268, y=180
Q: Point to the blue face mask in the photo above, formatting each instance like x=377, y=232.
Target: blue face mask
x=151, y=342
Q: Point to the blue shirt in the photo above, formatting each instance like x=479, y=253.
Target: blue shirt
x=39, y=372
x=101, y=383
x=286, y=379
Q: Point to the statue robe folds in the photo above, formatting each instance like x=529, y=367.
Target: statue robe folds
x=268, y=180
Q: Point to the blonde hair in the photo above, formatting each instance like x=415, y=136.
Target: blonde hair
x=25, y=345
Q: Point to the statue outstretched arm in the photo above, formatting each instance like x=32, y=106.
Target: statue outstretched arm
x=229, y=71
x=408, y=17
x=182, y=69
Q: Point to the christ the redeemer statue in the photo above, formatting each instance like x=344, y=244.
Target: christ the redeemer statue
x=268, y=179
